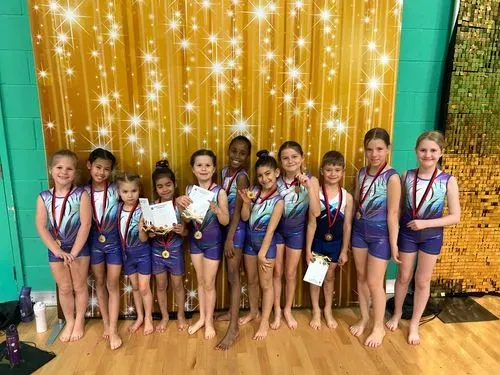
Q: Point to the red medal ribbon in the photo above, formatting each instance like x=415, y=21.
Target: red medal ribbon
x=363, y=197
x=295, y=182
x=232, y=179
x=327, y=205
x=414, y=207
x=94, y=209
x=61, y=214
x=124, y=238
x=263, y=199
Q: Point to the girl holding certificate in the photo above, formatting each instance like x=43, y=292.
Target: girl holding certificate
x=329, y=234
x=262, y=208
x=167, y=250
x=206, y=242
x=425, y=191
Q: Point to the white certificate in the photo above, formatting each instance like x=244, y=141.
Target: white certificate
x=316, y=272
x=201, y=201
x=164, y=214
x=147, y=213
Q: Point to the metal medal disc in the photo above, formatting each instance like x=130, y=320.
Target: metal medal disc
x=165, y=254
x=198, y=235
x=102, y=238
x=328, y=237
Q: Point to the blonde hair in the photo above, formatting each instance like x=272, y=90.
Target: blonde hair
x=63, y=154
x=432, y=135
x=128, y=177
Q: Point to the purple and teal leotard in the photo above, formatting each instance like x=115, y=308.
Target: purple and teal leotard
x=229, y=183
x=136, y=254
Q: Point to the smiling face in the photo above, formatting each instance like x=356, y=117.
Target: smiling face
x=63, y=171
x=376, y=152
x=203, y=168
x=129, y=192
x=266, y=176
x=238, y=154
x=291, y=161
x=100, y=170
x=428, y=153
x=332, y=174
x=165, y=188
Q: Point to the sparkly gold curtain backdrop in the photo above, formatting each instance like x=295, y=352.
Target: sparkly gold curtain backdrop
x=149, y=79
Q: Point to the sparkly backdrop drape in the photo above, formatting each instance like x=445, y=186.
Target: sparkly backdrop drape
x=151, y=79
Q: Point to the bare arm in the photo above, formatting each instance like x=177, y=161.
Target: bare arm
x=356, y=195
x=222, y=210
x=393, y=202
x=346, y=229
x=85, y=224
x=313, y=188
x=143, y=236
x=41, y=227
x=311, y=230
x=241, y=183
x=273, y=224
x=245, y=206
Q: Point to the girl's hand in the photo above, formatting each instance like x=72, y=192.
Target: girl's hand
x=67, y=258
x=178, y=228
x=214, y=207
x=229, y=248
x=343, y=258
x=416, y=225
x=244, y=196
x=183, y=201
x=309, y=257
x=304, y=180
x=151, y=234
x=264, y=263
x=395, y=255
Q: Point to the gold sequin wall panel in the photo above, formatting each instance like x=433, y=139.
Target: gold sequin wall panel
x=470, y=260
x=151, y=79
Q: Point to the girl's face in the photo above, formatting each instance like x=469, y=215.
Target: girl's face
x=100, y=170
x=376, y=152
x=203, y=168
x=165, y=188
x=129, y=192
x=332, y=174
x=238, y=155
x=291, y=160
x=428, y=153
x=63, y=170
x=266, y=176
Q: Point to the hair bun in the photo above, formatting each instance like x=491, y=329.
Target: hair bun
x=262, y=154
x=162, y=163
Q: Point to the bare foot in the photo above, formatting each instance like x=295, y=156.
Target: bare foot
x=393, y=323
x=375, y=338
x=162, y=326
x=148, y=326
x=358, y=328
x=223, y=317
x=134, y=327
x=330, y=320
x=315, y=322
x=181, y=323
x=262, y=331
x=66, y=332
x=248, y=318
x=229, y=339
x=115, y=341
x=196, y=326
x=78, y=330
x=105, y=334
x=276, y=323
x=290, y=320
x=413, y=336
x=209, y=332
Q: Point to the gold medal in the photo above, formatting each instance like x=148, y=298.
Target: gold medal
x=165, y=254
x=250, y=194
x=101, y=238
x=58, y=242
x=328, y=237
x=297, y=189
x=358, y=215
x=198, y=235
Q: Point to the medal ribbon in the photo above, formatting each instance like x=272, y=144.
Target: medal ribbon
x=327, y=205
x=363, y=197
x=56, y=226
x=99, y=223
x=414, y=207
x=232, y=179
x=131, y=213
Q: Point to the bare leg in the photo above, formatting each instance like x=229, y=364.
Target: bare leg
x=292, y=259
x=99, y=272
x=315, y=322
x=328, y=288
x=197, y=260
x=425, y=265
x=161, y=294
x=134, y=280
x=210, y=268
x=253, y=289
x=360, y=258
x=277, y=284
x=113, y=285
x=376, y=268
x=147, y=301
x=405, y=270
x=266, y=284
x=233, y=265
x=62, y=276
x=180, y=296
x=79, y=269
